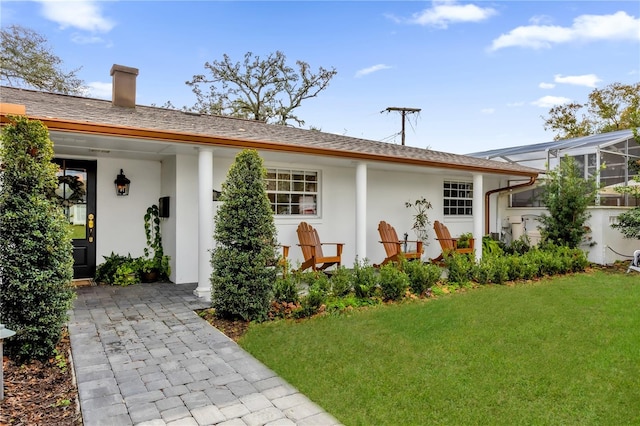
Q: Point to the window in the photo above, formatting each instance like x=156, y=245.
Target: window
x=458, y=198
x=293, y=192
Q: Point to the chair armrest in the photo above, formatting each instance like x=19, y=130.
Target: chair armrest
x=338, y=247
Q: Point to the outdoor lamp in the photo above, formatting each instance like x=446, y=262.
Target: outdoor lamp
x=216, y=195
x=122, y=184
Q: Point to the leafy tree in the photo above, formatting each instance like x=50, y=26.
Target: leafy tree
x=266, y=89
x=567, y=194
x=36, y=255
x=26, y=60
x=244, y=258
x=614, y=107
x=629, y=223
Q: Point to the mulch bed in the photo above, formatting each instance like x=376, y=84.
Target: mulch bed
x=40, y=393
x=234, y=329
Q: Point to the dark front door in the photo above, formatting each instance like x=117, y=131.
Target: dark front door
x=77, y=194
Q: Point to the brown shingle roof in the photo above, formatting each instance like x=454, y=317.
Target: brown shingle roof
x=165, y=124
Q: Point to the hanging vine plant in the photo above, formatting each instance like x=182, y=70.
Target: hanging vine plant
x=159, y=261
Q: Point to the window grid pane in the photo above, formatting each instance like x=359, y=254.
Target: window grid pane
x=292, y=192
x=457, y=198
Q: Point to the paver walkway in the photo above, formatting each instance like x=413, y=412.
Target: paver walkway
x=142, y=356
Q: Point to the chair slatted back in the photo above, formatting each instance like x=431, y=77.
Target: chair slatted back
x=443, y=235
x=309, y=241
x=389, y=238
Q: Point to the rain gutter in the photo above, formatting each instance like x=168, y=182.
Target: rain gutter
x=487, y=195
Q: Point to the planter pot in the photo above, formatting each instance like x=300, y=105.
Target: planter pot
x=149, y=277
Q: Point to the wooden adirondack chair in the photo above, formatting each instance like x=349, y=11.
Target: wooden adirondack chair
x=311, y=247
x=393, y=245
x=449, y=244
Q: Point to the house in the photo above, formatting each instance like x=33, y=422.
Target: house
x=341, y=185
x=618, y=152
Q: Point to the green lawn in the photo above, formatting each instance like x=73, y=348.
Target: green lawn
x=561, y=351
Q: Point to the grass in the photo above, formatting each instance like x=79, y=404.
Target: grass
x=561, y=351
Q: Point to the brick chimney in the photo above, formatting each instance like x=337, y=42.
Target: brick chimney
x=124, y=86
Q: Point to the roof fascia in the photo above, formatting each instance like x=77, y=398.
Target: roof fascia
x=198, y=139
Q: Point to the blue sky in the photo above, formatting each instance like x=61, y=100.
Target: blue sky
x=482, y=72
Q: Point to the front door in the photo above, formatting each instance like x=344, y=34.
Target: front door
x=77, y=194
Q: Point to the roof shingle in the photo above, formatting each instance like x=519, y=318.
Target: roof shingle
x=44, y=105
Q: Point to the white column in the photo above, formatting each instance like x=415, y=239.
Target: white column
x=478, y=213
x=361, y=211
x=205, y=222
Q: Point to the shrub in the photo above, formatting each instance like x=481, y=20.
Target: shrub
x=243, y=261
x=515, y=267
x=567, y=196
x=421, y=276
x=519, y=246
x=285, y=289
x=459, y=266
x=105, y=272
x=393, y=282
x=491, y=269
x=341, y=282
x=36, y=254
x=311, y=303
x=491, y=247
x=365, y=279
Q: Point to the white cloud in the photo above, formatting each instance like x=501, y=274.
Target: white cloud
x=540, y=19
x=550, y=101
x=588, y=80
x=618, y=26
x=372, y=69
x=445, y=12
x=515, y=104
x=487, y=110
x=82, y=39
x=544, y=85
x=97, y=89
x=81, y=14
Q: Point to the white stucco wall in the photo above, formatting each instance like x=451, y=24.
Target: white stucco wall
x=120, y=220
x=610, y=245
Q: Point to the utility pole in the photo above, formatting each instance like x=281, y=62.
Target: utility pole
x=404, y=112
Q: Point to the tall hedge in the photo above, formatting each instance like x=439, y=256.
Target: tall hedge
x=567, y=195
x=244, y=257
x=36, y=254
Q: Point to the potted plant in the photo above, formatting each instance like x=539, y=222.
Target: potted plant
x=421, y=223
x=464, y=241
x=149, y=270
x=156, y=267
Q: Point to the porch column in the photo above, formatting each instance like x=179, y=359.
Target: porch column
x=205, y=222
x=478, y=211
x=361, y=211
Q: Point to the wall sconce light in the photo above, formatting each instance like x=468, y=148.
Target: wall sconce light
x=122, y=184
x=216, y=195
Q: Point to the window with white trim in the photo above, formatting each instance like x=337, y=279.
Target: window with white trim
x=293, y=192
x=458, y=198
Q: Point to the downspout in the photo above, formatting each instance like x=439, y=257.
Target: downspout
x=487, y=195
